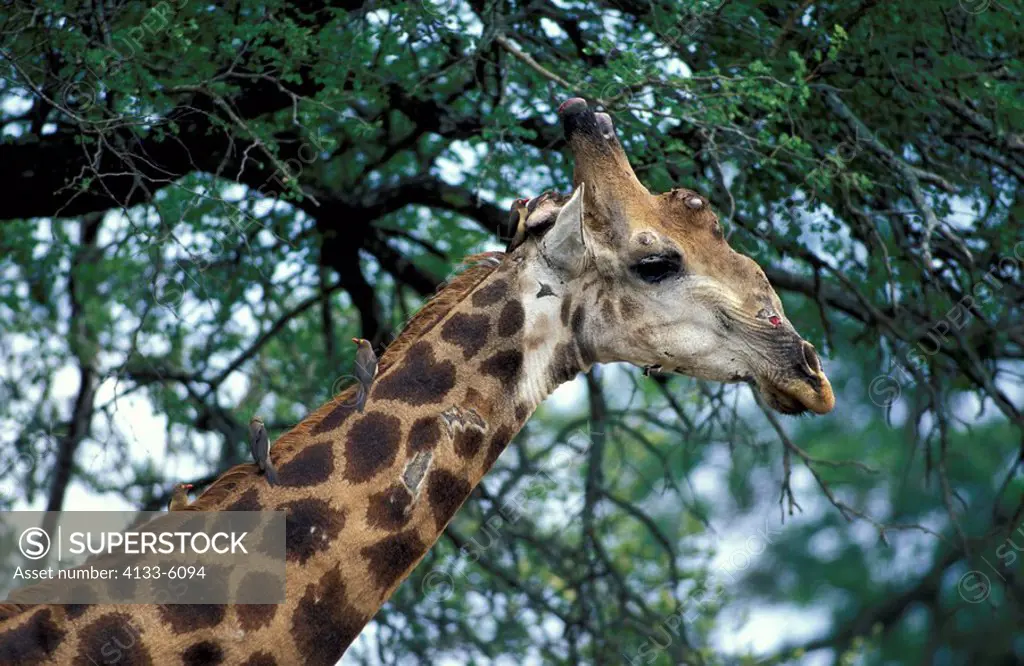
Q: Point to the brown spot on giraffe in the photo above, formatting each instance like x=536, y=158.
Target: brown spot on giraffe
x=253, y=616
x=203, y=653
x=186, y=618
x=372, y=445
x=505, y=366
x=502, y=436
x=629, y=307
x=577, y=322
x=467, y=331
x=490, y=294
x=311, y=526
x=419, y=380
x=113, y=638
x=324, y=622
x=249, y=501
x=424, y=434
x=511, y=319
x=468, y=442
x=390, y=558
x=586, y=353
x=33, y=641
x=564, y=363
x=311, y=466
x=446, y=493
x=389, y=509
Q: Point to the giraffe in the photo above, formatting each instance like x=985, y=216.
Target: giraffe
x=610, y=273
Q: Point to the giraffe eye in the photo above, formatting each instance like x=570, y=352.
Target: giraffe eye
x=654, y=268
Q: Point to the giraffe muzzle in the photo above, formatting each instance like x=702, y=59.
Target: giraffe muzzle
x=806, y=387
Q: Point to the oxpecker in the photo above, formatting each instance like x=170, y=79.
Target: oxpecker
x=179, y=496
x=259, y=445
x=366, y=369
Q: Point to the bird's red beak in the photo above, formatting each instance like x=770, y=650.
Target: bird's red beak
x=355, y=340
x=188, y=486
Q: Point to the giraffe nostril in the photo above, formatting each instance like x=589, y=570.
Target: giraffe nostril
x=810, y=356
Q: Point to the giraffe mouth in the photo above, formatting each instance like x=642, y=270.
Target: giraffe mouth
x=802, y=397
x=785, y=397
x=781, y=401
x=804, y=387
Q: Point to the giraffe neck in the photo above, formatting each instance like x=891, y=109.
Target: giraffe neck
x=435, y=422
x=366, y=494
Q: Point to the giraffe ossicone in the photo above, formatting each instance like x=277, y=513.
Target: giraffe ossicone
x=610, y=273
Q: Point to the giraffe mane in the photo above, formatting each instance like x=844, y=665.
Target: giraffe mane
x=448, y=295
x=220, y=488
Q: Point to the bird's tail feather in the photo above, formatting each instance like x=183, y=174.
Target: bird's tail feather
x=271, y=473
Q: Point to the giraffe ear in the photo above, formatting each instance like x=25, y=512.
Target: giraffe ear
x=564, y=244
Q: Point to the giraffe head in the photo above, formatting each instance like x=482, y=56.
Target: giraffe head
x=649, y=278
